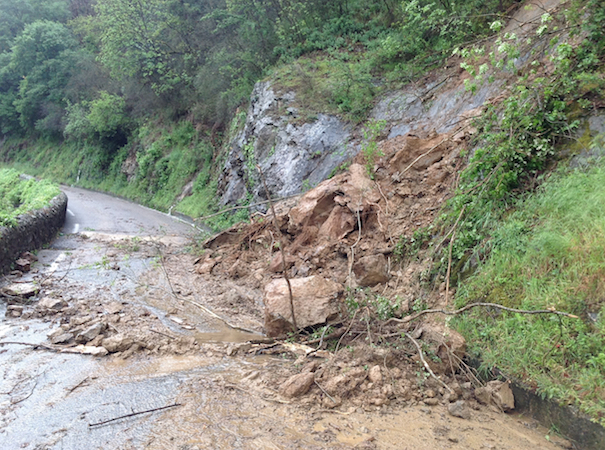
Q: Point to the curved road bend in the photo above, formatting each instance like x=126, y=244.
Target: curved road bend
x=101, y=213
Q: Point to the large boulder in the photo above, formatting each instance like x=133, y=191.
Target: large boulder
x=315, y=299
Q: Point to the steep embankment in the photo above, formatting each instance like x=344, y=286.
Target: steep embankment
x=431, y=199
x=31, y=212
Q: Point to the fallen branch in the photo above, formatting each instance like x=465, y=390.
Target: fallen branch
x=355, y=245
x=69, y=391
x=37, y=346
x=475, y=305
x=199, y=305
x=347, y=330
x=426, y=365
x=27, y=396
x=235, y=208
x=281, y=249
x=324, y=391
x=163, y=334
x=134, y=414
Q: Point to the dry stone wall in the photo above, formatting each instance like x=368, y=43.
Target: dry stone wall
x=33, y=230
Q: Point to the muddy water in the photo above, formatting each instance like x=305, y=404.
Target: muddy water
x=59, y=401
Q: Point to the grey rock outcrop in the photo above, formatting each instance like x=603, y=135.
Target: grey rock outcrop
x=292, y=154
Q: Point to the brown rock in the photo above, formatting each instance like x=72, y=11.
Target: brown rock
x=117, y=343
x=371, y=270
x=375, y=375
x=315, y=301
x=459, y=409
x=23, y=290
x=54, y=304
x=276, y=265
x=238, y=269
x=339, y=223
x=89, y=333
x=90, y=350
x=206, y=267
x=60, y=337
x=446, y=341
x=114, y=307
x=23, y=265
x=14, y=311
x=496, y=393
x=297, y=385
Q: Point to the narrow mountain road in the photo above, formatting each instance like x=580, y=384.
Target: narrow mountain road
x=174, y=378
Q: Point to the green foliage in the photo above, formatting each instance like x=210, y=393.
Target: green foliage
x=410, y=246
x=135, y=40
x=549, y=253
x=41, y=61
x=369, y=148
x=518, y=138
x=20, y=196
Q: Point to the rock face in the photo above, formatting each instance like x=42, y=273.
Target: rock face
x=315, y=301
x=288, y=151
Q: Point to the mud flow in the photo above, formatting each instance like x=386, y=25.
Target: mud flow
x=111, y=339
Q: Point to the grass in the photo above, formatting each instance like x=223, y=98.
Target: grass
x=19, y=196
x=167, y=159
x=550, y=252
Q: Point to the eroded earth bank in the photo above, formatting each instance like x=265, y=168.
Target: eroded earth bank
x=117, y=317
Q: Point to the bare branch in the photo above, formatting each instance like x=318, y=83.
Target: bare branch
x=426, y=365
x=485, y=305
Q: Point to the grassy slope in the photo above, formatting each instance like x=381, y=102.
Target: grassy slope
x=550, y=252
x=168, y=157
x=19, y=196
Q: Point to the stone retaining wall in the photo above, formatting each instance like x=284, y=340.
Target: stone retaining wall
x=33, y=230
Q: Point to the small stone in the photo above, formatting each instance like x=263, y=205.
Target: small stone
x=375, y=375
x=23, y=290
x=429, y=393
x=61, y=338
x=451, y=397
x=117, y=343
x=23, y=265
x=431, y=401
x=90, y=333
x=114, y=307
x=93, y=351
x=459, y=409
x=297, y=385
x=53, y=304
x=14, y=311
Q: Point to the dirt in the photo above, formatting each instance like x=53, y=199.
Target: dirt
x=143, y=292
x=191, y=327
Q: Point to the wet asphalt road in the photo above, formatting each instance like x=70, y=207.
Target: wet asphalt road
x=93, y=211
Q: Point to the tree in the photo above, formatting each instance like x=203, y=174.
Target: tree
x=42, y=59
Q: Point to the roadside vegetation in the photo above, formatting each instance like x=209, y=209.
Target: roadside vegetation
x=525, y=237
x=548, y=253
x=19, y=196
x=141, y=99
